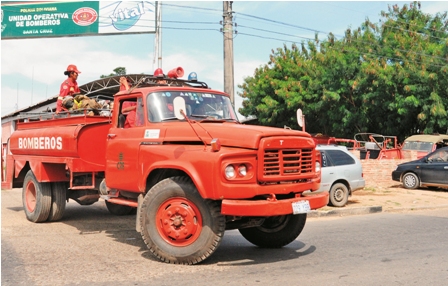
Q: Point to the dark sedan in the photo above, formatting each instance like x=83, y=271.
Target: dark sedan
x=429, y=171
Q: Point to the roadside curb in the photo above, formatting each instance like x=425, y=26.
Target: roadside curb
x=368, y=210
x=346, y=211
x=415, y=208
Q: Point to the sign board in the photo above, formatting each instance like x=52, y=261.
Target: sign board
x=80, y=18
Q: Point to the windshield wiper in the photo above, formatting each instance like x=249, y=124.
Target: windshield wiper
x=169, y=119
x=230, y=119
x=198, y=115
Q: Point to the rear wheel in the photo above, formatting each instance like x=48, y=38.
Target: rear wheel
x=276, y=231
x=338, y=195
x=36, y=198
x=178, y=225
x=58, y=200
x=411, y=181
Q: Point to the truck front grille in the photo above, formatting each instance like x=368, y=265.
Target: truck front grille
x=287, y=162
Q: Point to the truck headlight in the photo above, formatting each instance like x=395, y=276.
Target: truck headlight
x=230, y=172
x=242, y=170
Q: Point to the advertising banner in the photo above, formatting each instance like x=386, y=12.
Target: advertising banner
x=79, y=18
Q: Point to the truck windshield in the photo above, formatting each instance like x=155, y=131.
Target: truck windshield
x=199, y=105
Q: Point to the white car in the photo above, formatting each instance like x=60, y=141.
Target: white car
x=341, y=173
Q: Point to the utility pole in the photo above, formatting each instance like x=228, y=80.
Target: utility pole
x=32, y=85
x=228, y=49
x=158, y=36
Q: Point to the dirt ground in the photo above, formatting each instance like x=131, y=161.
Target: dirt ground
x=393, y=197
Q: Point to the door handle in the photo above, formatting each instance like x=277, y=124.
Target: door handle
x=111, y=136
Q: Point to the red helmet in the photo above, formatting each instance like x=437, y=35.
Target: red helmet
x=158, y=72
x=71, y=68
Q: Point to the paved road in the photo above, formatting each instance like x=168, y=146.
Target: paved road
x=92, y=247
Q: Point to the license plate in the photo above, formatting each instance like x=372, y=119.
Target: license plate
x=301, y=207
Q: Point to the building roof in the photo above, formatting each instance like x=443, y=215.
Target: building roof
x=433, y=138
x=103, y=88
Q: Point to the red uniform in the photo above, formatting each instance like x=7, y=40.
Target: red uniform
x=130, y=117
x=69, y=86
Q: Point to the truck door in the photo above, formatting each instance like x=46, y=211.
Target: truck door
x=123, y=143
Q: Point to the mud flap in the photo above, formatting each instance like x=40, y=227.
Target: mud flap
x=137, y=217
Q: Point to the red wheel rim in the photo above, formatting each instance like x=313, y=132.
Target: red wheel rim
x=179, y=221
x=30, y=197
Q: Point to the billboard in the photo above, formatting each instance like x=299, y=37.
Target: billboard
x=79, y=18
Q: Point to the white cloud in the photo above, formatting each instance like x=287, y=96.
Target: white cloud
x=434, y=7
x=19, y=98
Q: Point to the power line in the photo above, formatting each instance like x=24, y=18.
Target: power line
x=191, y=7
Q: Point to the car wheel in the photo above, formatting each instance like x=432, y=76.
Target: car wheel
x=411, y=181
x=338, y=195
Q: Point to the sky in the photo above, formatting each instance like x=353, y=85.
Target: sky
x=32, y=69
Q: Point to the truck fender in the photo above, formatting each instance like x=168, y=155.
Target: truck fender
x=185, y=167
x=44, y=172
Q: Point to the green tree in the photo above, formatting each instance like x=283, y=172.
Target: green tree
x=117, y=71
x=389, y=78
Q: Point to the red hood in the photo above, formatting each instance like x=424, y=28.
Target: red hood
x=231, y=134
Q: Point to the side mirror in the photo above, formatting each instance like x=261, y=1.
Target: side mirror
x=179, y=104
x=299, y=117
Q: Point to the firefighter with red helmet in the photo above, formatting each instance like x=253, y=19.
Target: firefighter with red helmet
x=68, y=87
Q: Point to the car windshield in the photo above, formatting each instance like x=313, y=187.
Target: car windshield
x=418, y=146
x=440, y=155
x=199, y=106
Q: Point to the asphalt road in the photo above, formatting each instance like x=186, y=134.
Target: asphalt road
x=92, y=247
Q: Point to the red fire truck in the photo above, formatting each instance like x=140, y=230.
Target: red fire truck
x=186, y=165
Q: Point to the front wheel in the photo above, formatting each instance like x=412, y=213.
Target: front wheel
x=36, y=198
x=338, y=195
x=276, y=231
x=411, y=181
x=178, y=225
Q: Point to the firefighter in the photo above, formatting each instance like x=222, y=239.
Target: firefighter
x=68, y=87
x=124, y=83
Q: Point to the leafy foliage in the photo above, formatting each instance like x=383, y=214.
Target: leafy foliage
x=389, y=78
x=117, y=71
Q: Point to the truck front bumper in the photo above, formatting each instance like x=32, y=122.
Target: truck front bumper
x=272, y=206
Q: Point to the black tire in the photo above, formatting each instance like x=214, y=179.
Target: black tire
x=36, y=198
x=58, y=200
x=276, y=231
x=178, y=225
x=338, y=195
x=116, y=209
x=411, y=181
